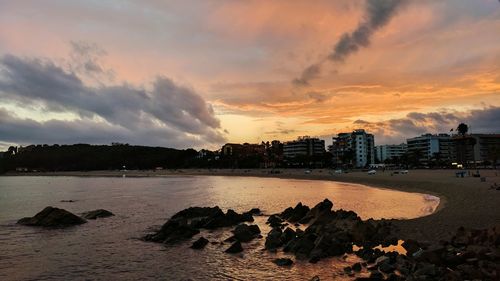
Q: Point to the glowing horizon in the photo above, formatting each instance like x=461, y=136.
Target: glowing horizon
x=202, y=73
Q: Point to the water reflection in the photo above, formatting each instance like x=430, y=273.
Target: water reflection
x=107, y=249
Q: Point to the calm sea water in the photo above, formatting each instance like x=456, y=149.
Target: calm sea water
x=108, y=249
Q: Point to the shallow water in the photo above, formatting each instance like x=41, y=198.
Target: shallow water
x=108, y=249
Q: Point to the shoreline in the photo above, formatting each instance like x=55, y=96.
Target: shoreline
x=464, y=202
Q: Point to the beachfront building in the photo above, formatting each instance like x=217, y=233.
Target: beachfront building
x=390, y=151
x=245, y=155
x=303, y=146
x=427, y=147
x=355, y=148
x=476, y=149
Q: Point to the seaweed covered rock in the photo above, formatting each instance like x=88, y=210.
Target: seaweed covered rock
x=99, y=213
x=52, y=217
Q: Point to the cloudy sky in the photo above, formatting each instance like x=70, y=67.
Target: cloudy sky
x=201, y=73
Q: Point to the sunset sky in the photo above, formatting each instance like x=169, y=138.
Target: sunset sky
x=201, y=73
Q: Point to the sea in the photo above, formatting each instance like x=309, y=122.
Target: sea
x=111, y=248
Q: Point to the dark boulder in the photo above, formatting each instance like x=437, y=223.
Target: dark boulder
x=283, y=262
x=100, y=213
x=287, y=212
x=200, y=243
x=296, y=214
x=219, y=219
x=254, y=211
x=235, y=248
x=174, y=230
x=287, y=235
x=273, y=239
x=52, y=217
x=196, y=212
x=357, y=267
x=363, y=232
x=302, y=245
x=411, y=246
x=245, y=233
x=274, y=221
x=320, y=209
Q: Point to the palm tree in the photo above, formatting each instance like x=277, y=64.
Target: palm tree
x=462, y=129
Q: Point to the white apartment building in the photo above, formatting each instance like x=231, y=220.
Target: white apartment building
x=390, y=151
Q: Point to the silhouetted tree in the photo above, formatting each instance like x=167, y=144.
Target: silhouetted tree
x=462, y=129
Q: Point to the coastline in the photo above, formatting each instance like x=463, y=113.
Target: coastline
x=464, y=202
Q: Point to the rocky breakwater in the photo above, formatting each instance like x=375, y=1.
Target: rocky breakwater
x=329, y=233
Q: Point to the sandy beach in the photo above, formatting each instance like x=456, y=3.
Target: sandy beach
x=467, y=202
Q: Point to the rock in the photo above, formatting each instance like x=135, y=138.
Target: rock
x=411, y=246
x=320, y=209
x=235, y=248
x=376, y=276
x=273, y=239
x=386, y=267
x=274, y=221
x=357, y=267
x=287, y=212
x=200, y=243
x=287, y=235
x=254, y=211
x=363, y=232
x=296, y=214
x=245, y=233
x=196, y=212
x=68, y=201
x=426, y=269
x=303, y=245
x=283, y=262
x=52, y=217
x=174, y=230
x=233, y=218
x=100, y=213
x=315, y=278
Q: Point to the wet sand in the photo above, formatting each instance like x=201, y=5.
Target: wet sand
x=464, y=202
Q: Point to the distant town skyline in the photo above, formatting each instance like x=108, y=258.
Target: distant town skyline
x=204, y=73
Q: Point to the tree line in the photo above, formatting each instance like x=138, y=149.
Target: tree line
x=86, y=157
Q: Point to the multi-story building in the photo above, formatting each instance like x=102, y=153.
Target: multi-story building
x=355, y=148
x=429, y=146
x=242, y=150
x=476, y=148
x=390, y=151
x=304, y=146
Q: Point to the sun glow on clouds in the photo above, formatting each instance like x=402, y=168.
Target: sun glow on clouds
x=240, y=57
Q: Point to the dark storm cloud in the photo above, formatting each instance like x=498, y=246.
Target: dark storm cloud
x=414, y=124
x=27, y=131
x=377, y=14
x=166, y=107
